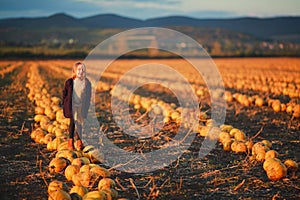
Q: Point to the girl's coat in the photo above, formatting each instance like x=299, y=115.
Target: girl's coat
x=67, y=98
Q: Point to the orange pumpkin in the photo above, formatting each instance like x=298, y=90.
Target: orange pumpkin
x=238, y=147
x=80, y=190
x=99, y=195
x=106, y=183
x=271, y=154
x=275, y=169
x=110, y=193
x=59, y=195
x=291, y=165
x=100, y=171
x=57, y=165
x=70, y=171
x=56, y=185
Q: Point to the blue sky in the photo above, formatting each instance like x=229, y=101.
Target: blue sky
x=145, y=9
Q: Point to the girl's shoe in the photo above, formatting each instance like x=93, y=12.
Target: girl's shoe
x=79, y=144
x=71, y=144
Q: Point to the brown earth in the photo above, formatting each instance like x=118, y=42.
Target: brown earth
x=220, y=175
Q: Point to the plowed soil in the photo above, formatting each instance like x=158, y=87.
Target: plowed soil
x=220, y=175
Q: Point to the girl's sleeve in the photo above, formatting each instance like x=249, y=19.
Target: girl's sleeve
x=89, y=93
x=65, y=92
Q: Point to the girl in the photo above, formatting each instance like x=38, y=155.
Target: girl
x=76, y=102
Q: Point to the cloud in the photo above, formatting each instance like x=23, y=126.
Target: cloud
x=145, y=9
x=212, y=14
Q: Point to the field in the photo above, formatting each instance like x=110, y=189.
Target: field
x=262, y=98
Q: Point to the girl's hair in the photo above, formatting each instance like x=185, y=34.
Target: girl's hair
x=74, y=69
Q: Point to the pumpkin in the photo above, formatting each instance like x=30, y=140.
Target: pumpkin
x=260, y=156
x=55, y=100
x=111, y=194
x=276, y=106
x=87, y=149
x=283, y=107
x=45, y=122
x=59, y=132
x=228, y=96
x=233, y=131
x=70, y=171
x=50, y=145
x=63, y=146
x=56, y=142
x=275, y=169
x=271, y=154
x=156, y=109
x=56, y=185
x=50, y=128
x=85, y=168
x=289, y=109
x=80, y=161
x=37, y=135
x=223, y=136
x=267, y=143
x=238, y=147
x=59, y=195
x=291, y=165
x=210, y=122
x=78, y=153
x=84, y=179
x=57, y=165
x=55, y=108
x=209, y=131
x=226, y=128
x=296, y=111
x=237, y=134
x=259, y=102
x=175, y=115
x=100, y=171
x=48, y=111
x=95, y=195
x=37, y=118
x=64, y=127
x=258, y=147
x=48, y=138
x=106, y=183
x=39, y=110
x=227, y=144
x=76, y=179
x=80, y=190
x=203, y=130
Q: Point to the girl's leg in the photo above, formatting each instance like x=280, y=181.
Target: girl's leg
x=71, y=134
x=78, y=130
x=71, y=128
x=79, y=134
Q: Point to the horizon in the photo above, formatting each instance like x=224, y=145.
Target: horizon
x=115, y=14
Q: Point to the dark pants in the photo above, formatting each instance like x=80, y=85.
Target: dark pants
x=72, y=132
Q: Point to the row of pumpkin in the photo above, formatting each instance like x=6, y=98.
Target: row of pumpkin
x=90, y=180
x=291, y=107
x=200, y=90
x=8, y=67
x=232, y=139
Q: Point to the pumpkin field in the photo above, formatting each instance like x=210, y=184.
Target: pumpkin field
x=255, y=156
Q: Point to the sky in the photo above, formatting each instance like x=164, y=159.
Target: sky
x=146, y=9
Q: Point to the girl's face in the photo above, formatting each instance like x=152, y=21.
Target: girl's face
x=80, y=72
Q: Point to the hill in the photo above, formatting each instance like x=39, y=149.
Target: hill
x=237, y=36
